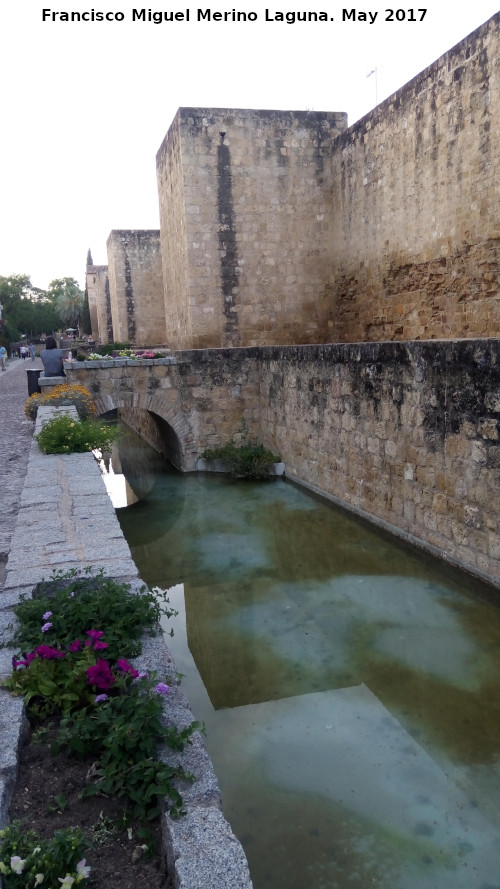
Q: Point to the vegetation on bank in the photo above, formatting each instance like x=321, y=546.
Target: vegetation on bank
x=244, y=457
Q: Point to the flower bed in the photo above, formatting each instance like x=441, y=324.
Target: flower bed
x=74, y=638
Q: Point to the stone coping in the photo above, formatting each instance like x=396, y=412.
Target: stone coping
x=66, y=520
x=119, y=362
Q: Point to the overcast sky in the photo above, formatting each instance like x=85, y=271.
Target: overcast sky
x=85, y=105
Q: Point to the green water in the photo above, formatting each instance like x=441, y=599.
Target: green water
x=349, y=685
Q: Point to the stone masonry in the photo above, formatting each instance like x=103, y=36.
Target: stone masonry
x=136, y=287
x=246, y=227
x=416, y=205
x=97, y=282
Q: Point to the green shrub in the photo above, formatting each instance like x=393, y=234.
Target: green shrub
x=66, y=435
x=248, y=459
x=108, y=348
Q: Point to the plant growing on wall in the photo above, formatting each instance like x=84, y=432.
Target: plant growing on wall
x=246, y=459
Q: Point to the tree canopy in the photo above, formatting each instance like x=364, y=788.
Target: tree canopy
x=29, y=311
x=67, y=299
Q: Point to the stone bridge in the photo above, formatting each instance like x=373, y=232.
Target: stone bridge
x=181, y=404
x=404, y=433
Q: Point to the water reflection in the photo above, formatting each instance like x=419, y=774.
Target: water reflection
x=350, y=686
x=130, y=468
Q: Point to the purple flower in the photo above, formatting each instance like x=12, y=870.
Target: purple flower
x=72, y=594
x=162, y=689
x=100, y=698
x=47, y=615
x=101, y=675
x=95, y=634
x=46, y=627
x=76, y=645
x=143, y=675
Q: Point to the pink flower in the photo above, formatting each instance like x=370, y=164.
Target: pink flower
x=48, y=653
x=100, y=645
x=25, y=663
x=95, y=634
x=101, y=675
x=126, y=668
x=76, y=645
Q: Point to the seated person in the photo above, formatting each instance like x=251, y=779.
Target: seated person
x=52, y=359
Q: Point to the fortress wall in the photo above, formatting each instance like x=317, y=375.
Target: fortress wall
x=174, y=238
x=136, y=287
x=247, y=194
x=416, y=204
x=98, y=289
x=91, y=285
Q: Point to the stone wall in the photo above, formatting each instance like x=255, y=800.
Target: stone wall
x=174, y=238
x=136, y=287
x=246, y=226
x=406, y=433
x=97, y=282
x=416, y=242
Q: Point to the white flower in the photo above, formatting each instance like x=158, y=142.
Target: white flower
x=39, y=878
x=67, y=882
x=17, y=864
x=36, y=850
x=82, y=870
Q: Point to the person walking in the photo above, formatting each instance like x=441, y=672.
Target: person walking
x=3, y=357
x=32, y=351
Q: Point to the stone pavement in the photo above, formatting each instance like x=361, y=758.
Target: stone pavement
x=16, y=434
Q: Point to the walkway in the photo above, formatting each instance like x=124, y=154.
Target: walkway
x=16, y=433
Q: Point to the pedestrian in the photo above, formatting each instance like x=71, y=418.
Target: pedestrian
x=52, y=359
x=3, y=357
x=32, y=351
x=23, y=352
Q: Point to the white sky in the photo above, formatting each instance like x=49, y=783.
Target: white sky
x=85, y=106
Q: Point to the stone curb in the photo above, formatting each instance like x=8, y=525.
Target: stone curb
x=200, y=849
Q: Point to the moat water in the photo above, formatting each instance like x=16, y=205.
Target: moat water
x=349, y=684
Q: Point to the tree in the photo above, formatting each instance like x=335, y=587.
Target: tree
x=67, y=299
x=86, y=323
x=26, y=309
x=90, y=261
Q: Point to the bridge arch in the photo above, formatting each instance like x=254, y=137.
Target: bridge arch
x=155, y=419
